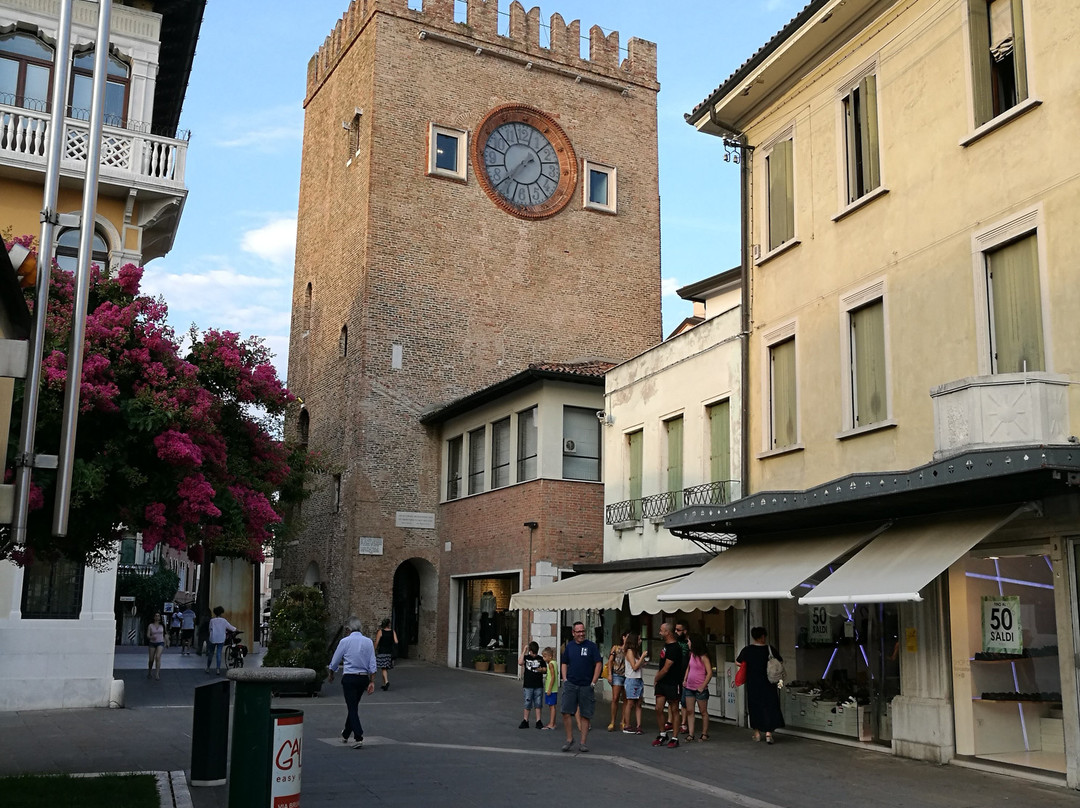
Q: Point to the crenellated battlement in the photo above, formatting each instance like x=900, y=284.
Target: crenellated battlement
x=482, y=26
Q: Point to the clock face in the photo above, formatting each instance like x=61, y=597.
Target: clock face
x=524, y=162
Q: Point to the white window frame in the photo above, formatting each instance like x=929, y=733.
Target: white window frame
x=781, y=333
x=462, y=136
x=1030, y=221
x=766, y=150
x=843, y=92
x=588, y=166
x=1023, y=105
x=850, y=301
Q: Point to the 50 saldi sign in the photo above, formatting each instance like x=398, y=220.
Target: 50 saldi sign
x=1001, y=628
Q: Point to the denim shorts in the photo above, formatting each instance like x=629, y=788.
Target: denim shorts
x=578, y=696
x=634, y=688
x=696, y=695
x=534, y=697
x=617, y=681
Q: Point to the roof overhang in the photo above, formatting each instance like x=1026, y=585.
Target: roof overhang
x=967, y=480
x=439, y=415
x=820, y=29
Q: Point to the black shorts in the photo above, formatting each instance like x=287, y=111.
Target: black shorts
x=187, y=634
x=668, y=691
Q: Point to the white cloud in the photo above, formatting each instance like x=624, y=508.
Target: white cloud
x=668, y=287
x=275, y=241
x=263, y=131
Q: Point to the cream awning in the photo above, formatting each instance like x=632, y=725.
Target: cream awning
x=906, y=557
x=592, y=590
x=643, y=600
x=768, y=570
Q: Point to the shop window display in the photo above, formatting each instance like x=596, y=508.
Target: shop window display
x=1011, y=642
x=847, y=668
x=489, y=626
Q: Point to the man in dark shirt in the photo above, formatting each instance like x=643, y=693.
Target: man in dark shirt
x=682, y=637
x=581, y=666
x=667, y=686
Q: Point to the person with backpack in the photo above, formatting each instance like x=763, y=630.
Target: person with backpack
x=762, y=693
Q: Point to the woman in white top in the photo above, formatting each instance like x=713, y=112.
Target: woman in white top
x=633, y=684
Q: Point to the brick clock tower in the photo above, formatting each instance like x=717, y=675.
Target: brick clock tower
x=470, y=203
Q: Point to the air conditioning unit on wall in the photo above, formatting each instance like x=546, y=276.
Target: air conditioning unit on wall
x=569, y=446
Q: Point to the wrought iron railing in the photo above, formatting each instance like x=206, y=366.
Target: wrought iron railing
x=657, y=506
x=619, y=512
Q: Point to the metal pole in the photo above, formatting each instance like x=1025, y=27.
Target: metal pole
x=28, y=426
x=66, y=455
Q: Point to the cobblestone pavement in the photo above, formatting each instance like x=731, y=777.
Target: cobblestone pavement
x=450, y=737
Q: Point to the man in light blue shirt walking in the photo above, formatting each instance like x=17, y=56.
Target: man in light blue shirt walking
x=355, y=655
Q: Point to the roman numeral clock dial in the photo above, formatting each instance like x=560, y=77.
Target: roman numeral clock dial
x=524, y=161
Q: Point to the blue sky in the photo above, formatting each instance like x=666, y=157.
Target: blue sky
x=231, y=266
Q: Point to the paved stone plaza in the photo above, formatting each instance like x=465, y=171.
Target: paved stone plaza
x=449, y=737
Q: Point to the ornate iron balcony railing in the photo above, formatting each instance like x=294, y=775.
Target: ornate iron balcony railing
x=657, y=506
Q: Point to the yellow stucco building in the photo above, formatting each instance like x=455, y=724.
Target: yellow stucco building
x=911, y=376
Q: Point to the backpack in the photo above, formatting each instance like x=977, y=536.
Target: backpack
x=774, y=668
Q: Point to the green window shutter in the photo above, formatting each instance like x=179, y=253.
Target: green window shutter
x=1019, y=58
x=633, y=441
x=983, y=85
x=675, y=458
x=868, y=364
x=720, y=444
x=1016, y=307
x=868, y=124
x=783, y=394
x=781, y=194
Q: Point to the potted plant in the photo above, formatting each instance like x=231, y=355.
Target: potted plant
x=498, y=661
x=298, y=635
x=481, y=662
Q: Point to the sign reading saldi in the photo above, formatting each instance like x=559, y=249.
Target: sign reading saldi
x=1001, y=625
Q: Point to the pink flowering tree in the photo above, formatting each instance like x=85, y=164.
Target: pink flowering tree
x=177, y=445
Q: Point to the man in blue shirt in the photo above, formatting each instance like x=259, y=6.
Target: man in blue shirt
x=581, y=666
x=355, y=654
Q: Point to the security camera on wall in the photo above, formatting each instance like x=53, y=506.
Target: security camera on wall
x=601, y=416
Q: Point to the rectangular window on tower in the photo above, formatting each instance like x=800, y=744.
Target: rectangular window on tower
x=599, y=188
x=453, y=467
x=447, y=149
x=476, y=460
x=526, y=445
x=500, y=453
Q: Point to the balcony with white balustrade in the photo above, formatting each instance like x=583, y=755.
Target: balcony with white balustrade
x=129, y=158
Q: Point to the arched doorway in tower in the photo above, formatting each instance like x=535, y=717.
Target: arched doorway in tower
x=414, y=600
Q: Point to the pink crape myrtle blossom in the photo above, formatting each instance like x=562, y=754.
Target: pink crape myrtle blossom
x=174, y=447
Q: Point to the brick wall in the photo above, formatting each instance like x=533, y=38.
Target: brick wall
x=471, y=294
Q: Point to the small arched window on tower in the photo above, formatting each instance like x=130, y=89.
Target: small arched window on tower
x=307, y=310
x=67, y=250
x=303, y=426
x=343, y=341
